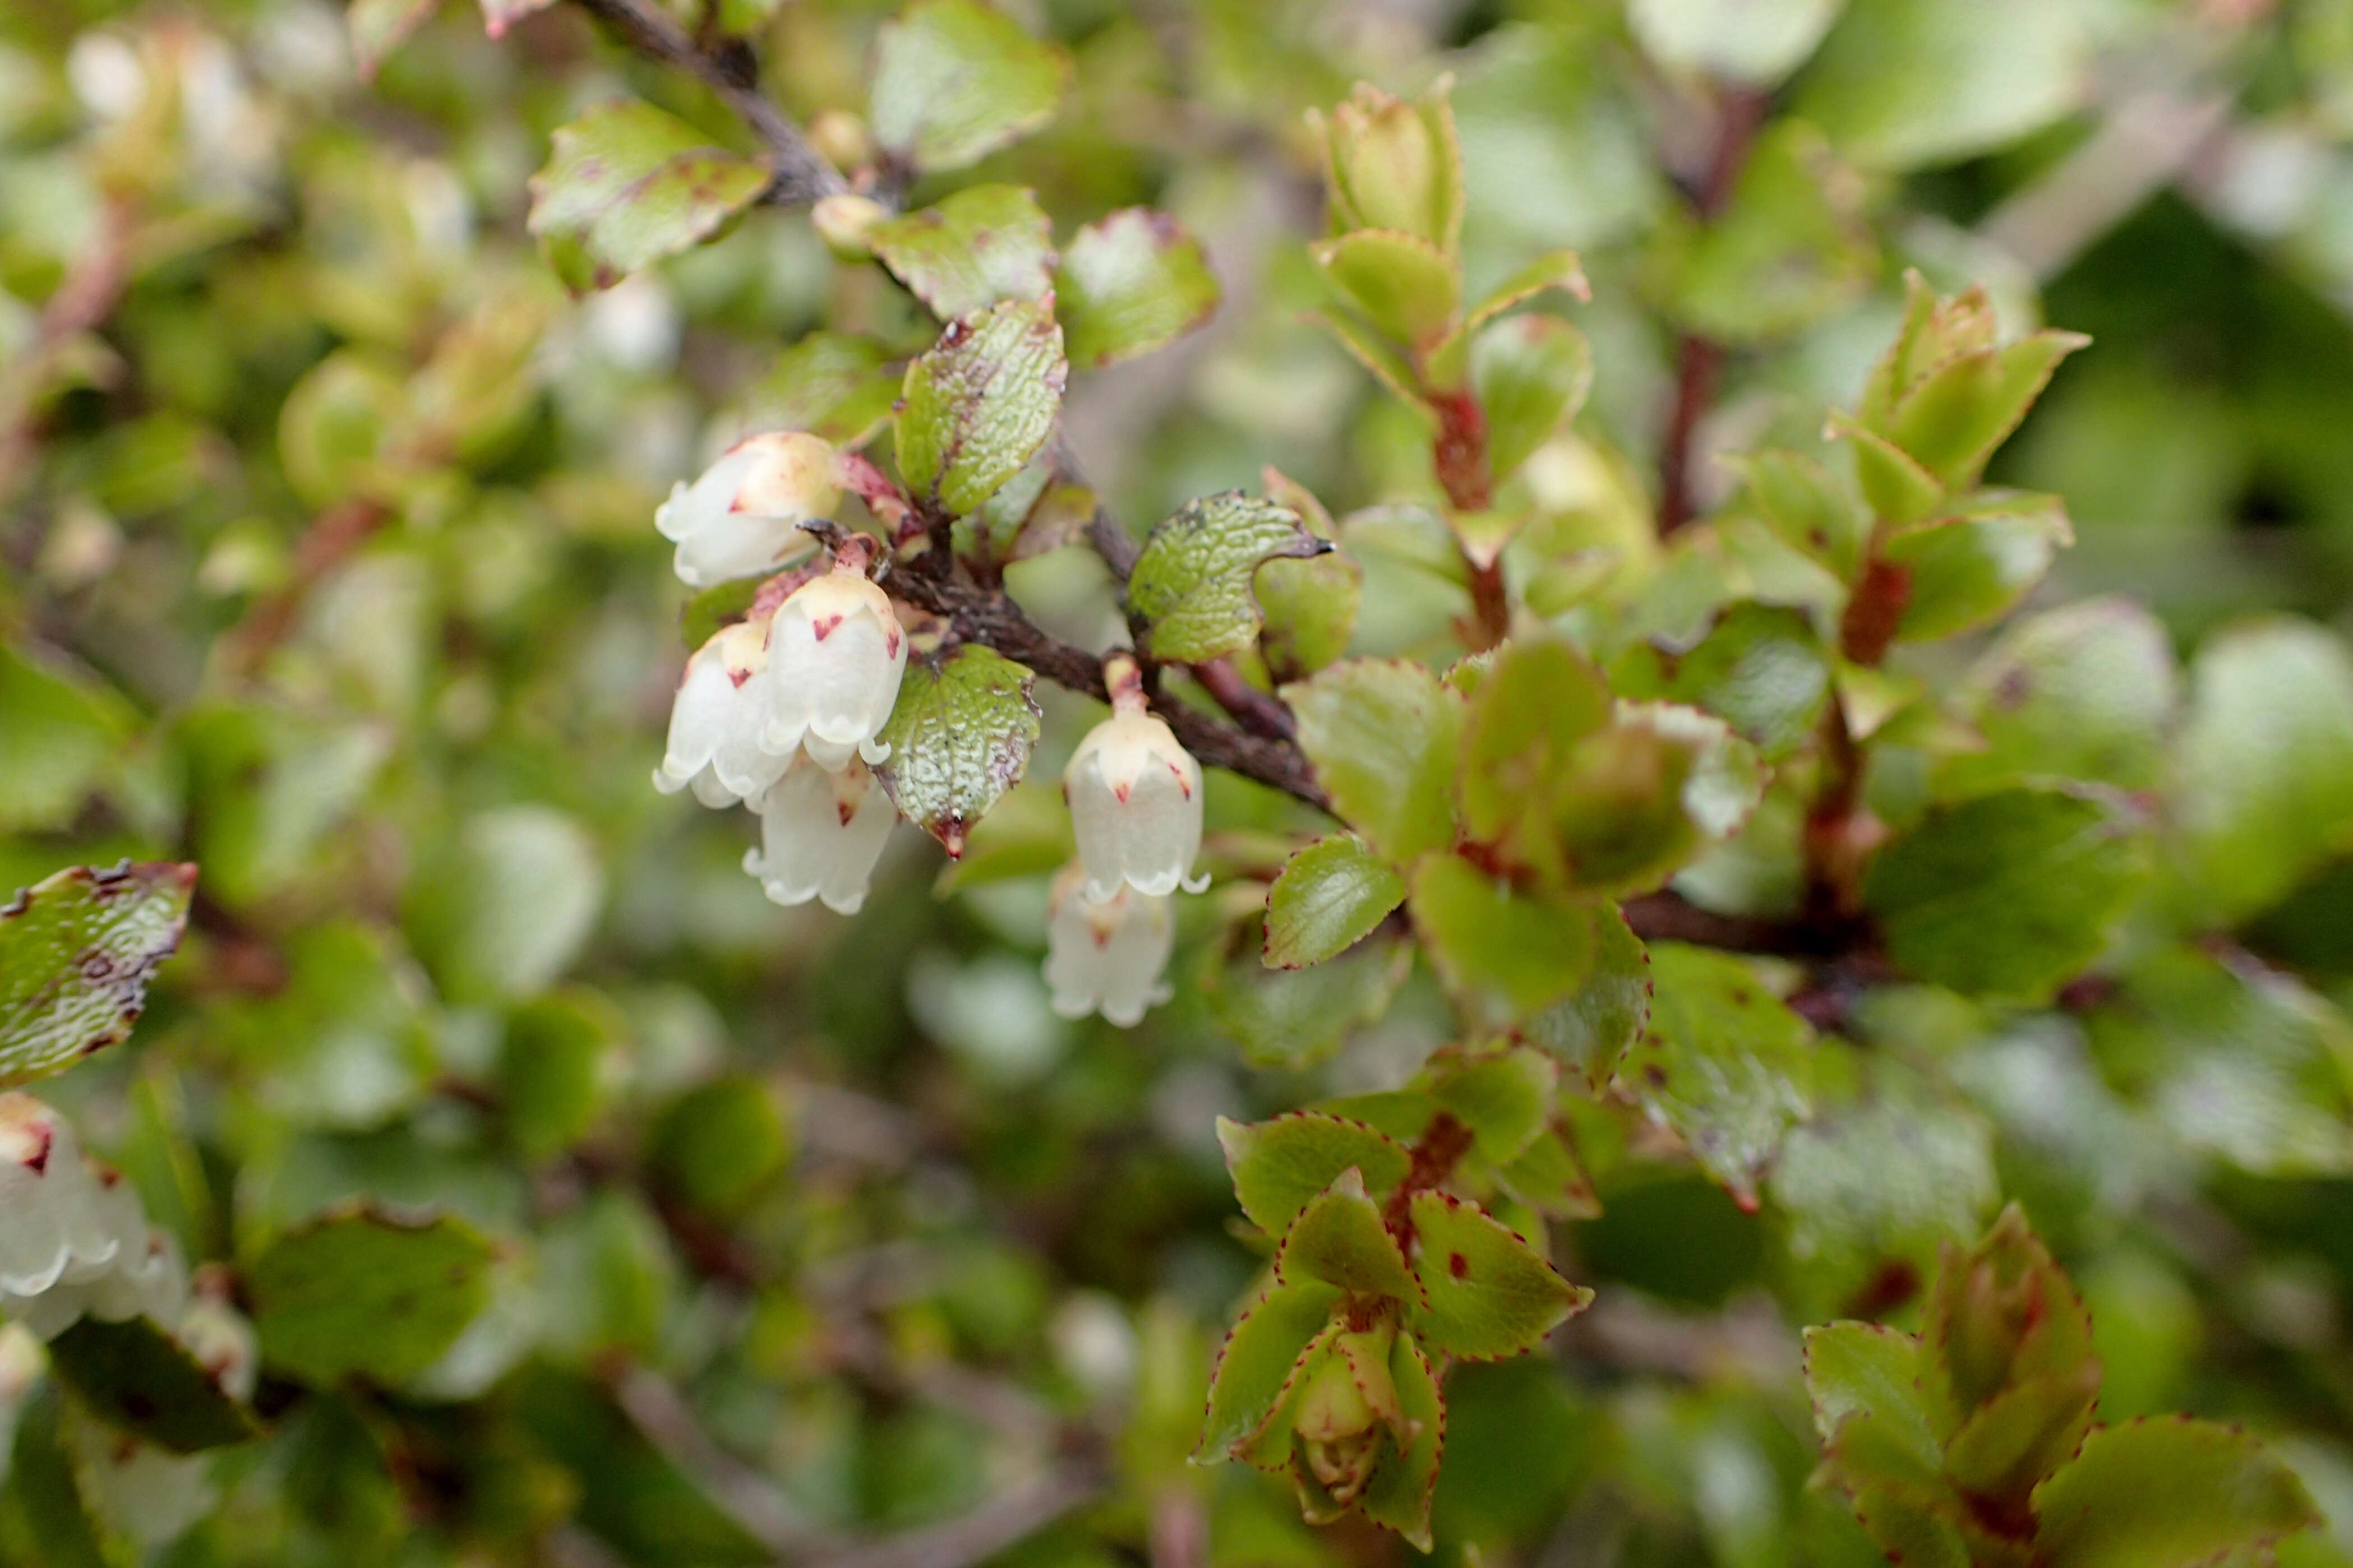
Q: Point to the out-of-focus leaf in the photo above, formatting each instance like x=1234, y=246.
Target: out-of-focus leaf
x=1952, y=419
x=379, y=27
x=626, y=185
x=148, y=1383
x=971, y=249
x=1760, y=669
x=1742, y=40
x=2166, y=1494
x=1858, y=1369
x=1591, y=1031
x=1724, y=1064
x=1405, y=285
x=1789, y=246
x=1503, y=952
x=1968, y=568
x=1253, y=1369
x=1279, y=1166
x=58, y=729
x=2084, y=692
x=955, y=79
x=505, y=906
x=345, y=1043
x=1538, y=703
x=1489, y=1294
x=1531, y=373
x=1296, y=1018
x=831, y=385
x=1339, y=1239
x=77, y=951
x=1901, y=86
x=720, y=1143
x=357, y=1293
x=977, y=406
x=1327, y=897
x=558, y=1062
x=959, y=738
x=1400, y=1491
x=1131, y=283
x=1382, y=735
x=1309, y=606
x=1505, y=1097
x=1192, y=584
x=1813, y=511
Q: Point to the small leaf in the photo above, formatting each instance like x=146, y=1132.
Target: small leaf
x=1531, y=374
x=1398, y=1495
x=2166, y=1494
x=1253, y=1370
x=1811, y=511
x=1326, y=897
x=1901, y=492
x=1952, y=419
x=2023, y=1433
x=2084, y=692
x=1760, y=669
x=720, y=1142
x=626, y=185
x=2000, y=1315
x=970, y=250
x=1538, y=703
x=145, y=1382
x=1339, y=1238
x=1405, y=286
x=358, y=1293
x=1505, y=1097
x=1191, y=586
x=830, y=385
x=1933, y=81
x=1970, y=567
x=1724, y=1064
x=1754, y=41
x=77, y=951
x=1389, y=367
x=955, y=79
x=1503, y=952
x=1489, y=1294
x=978, y=407
x=1382, y=735
x=1279, y=1166
x=1132, y=282
x=557, y=1063
x=1310, y=606
x=959, y=737
x=1855, y=1369
x=1296, y=1018
x=1556, y=270
x=1592, y=1030
x=2009, y=893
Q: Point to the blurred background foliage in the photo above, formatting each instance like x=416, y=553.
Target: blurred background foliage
x=328, y=566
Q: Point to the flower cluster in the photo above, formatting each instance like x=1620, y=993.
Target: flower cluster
x=783, y=712
x=74, y=1240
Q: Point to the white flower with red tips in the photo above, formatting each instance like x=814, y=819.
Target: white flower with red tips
x=835, y=655
x=743, y=516
x=820, y=835
x=74, y=1240
x=717, y=721
x=1106, y=957
x=1134, y=796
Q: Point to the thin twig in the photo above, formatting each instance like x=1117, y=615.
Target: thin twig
x=1699, y=362
x=984, y=1531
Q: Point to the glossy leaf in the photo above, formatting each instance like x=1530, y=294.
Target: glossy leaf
x=1192, y=584
x=77, y=951
x=979, y=403
x=1724, y=1064
x=970, y=250
x=955, y=79
x=1279, y=1166
x=1131, y=283
x=1339, y=1239
x=959, y=737
x=1489, y=1294
x=1328, y=896
x=626, y=185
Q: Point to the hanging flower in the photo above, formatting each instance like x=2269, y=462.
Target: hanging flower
x=1134, y=796
x=743, y=516
x=821, y=834
x=1106, y=956
x=716, y=719
x=836, y=654
x=74, y=1240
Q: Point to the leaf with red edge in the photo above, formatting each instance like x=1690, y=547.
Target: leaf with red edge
x=1490, y=1295
x=1255, y=1365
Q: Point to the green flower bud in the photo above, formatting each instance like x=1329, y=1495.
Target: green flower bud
x=1395, y=165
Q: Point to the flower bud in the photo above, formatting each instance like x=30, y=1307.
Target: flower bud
x=836, y=654
x=1106, y=957
x=1136, y=799
x=1394, y=164
x=717, y=720
x=743, y=516
x=821, y=834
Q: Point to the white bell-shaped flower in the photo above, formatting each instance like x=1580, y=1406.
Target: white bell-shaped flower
x=1106, y=957
x=1134, y=796
x=51, y=1221
x=223, y=1342
x=743, y=516
x=716, y=721
x=821, y=834
x=835, y=655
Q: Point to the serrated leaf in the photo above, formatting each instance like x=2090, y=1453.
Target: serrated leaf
x=831, y=385
x=1327, y=896
x=143, y=1382
x=1339, y=1238
x=1294, y=1018
x=1531, y=374
x=1724, y=1064
x=359, y=1293
x=1999, y=1315
x=1505, y=1097
x=1191, y=586
x=1900, y=491
x=1382, y=736
x=1591, y=1031
x=979, y=405
x=1398, y=1495
x=1865, y=1368
x=1254, y=1368
x=960, y=736
x=955, y=79
x=1279, y=1166
x=970, y=249
x=1554, y=270
x=1760, y=669
x=626, y=185
x=2023, y=1433
x=1809, y=508
x=1130, y=282
x=1952, y=419
x=1489, y=1293
x=1503, y=952
x=1973, y=565
x=77, y=951
x=1405, y=286
x=2009, y=893
x=2166, y=1494
x=1389, y=367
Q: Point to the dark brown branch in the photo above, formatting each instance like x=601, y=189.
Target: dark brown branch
x=1258, y=711
x=801, y=172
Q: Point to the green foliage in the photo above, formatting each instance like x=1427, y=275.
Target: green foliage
x=76, y=953
x=1192, y=583
x=628, y=185
x=362, y=1293
x=978, y=407
x=959, y=738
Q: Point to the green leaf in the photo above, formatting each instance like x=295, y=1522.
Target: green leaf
x=1296, y=1018
x=2023, y=1433
x=1647, y=794
x=1131, y=281
x=58, y=729
x=1489, y=1294
x=959, y=737
x=1931, y=82
x=1760, y=669
x=1952, y=419
x=1339, y=1238
x=1405, y=286
x=1505, y=1097
x=1790, y=244
x=50, y=1503
x=1327, y=896
x=1309, y=606
x=1538, y=703
x=77, y=951
x=358, y=1293
x=2166, y=1494
x=1531, y=374
x=1999, y=1316
x=1389, y=366
x=1253, y=1370
x=1191, y=586
x=1394, y=164
x=504, y=908
x=1279, y=1166
x=721, y=604
x=1811, y=511
x=2265, y=762
x=1502, y=953
x=1382, y=735
x=831, y=385
x=956, y=79
x=558, y=1062
x=1723, y=1065
x=2083, y=693
x=378, y=27
x=720, y=1142
x=1970, y=567
x=1753, y=41
x=1855, y=1369
x=1593, y=1029
x=1398, y=1496
x=1900, y=491
x=626, y=185
x=970, y=250
x=1554, y=270
x=346, y=1041
x=146, y=1382
x=979, y=403
x=2009, y=893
